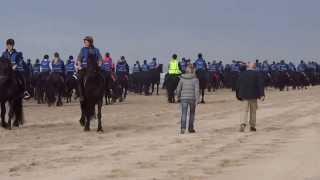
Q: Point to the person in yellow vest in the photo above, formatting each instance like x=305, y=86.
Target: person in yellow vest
x=172, y=79
x=173, y=66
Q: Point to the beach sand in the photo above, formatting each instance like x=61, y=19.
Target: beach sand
x=141, y=141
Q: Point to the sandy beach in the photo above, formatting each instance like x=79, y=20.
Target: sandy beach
x=141, y=141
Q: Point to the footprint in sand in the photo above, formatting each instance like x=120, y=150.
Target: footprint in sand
x=145, y=165
x=117, y=173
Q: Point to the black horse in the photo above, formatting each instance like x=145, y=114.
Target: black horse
x=93, y=90
x=203, y=82
x=155, y=76
x=11, y=92
x=40, y=87
x=55, y=89
x=123, y=81
x=171, y=83
x=71, y=87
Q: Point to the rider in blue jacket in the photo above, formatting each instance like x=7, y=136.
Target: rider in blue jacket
x=18, y=65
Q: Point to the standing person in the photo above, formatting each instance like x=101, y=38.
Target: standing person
x=82, y=61
x=249, y=89
x=188, y=94
x=16, y=59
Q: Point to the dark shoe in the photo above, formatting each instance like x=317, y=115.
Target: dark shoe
x=192, y=131
x=182, y=131
x=242, y=127
x=253, y=129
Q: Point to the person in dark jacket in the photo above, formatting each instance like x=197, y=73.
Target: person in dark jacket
x=249, y=88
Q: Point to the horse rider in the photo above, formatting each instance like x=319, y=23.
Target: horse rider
x=16, y=59
x=122, y=68
x=200, y=64
x=153, y=64
x=58, y=65
x=183, y=65
x=82, y=61
x=70, y=67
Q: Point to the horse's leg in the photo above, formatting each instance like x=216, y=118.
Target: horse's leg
x=158, y=88
x=87, y=123
x=3, y=115
x=11, y=113
x=152, y=88
x=202, y=93
x=99, y=116
x=125, y=91
x=59, y=102
x=82, y=118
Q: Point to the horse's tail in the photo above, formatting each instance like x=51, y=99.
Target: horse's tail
x=18, y=111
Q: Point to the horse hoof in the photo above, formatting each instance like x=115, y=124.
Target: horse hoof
x=86, y=129
x=81, y=123
x=4, y=125
x=16, y=124
x=99, y=130
x=202, y=102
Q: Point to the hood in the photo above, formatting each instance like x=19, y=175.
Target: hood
x=187, y=76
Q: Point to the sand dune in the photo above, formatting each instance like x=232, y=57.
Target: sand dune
x=141, y=141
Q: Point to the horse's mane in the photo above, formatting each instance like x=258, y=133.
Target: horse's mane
x=92, y=63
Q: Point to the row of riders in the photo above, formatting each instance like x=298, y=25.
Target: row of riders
x=93, y=77
x=214, y=75
x=90, y=76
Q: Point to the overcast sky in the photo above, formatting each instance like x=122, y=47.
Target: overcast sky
x=140, y=29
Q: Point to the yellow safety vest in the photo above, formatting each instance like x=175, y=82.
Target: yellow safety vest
x=174, y=67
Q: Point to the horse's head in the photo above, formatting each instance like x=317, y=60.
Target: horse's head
x=5, y=70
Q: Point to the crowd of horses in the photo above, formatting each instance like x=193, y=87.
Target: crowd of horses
x=53, y=88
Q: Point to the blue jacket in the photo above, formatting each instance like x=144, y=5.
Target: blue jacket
x=59, y=67
x=122, y=68
x=265, y=67
x=70, y=67
x=292, y=67
x=13, y=56
x=283, y=67
x=45, y=66
x=106, y=65
x=213, y=67
x=235, y=67
x=145, y=68
x=36, y=68
x=153, y=65
x=84, y=55
x=136, y=68
x=200, y=64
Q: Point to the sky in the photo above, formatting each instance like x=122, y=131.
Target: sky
x=141, y=29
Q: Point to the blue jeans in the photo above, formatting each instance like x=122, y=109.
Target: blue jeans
x=185, y=104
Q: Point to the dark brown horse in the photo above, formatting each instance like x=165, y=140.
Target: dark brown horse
x=93, y=90
x=11, y=92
